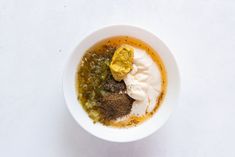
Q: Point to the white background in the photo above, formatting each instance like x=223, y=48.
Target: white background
x=37, y=36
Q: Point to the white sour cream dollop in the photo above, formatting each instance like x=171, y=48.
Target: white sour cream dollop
x=143, y=83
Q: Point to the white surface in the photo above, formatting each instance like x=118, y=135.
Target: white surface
x=36, y=37
x=134, y=133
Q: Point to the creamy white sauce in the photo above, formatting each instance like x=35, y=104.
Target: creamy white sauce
x=143, y=83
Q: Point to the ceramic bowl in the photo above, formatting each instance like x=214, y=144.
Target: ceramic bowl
x=122, y=134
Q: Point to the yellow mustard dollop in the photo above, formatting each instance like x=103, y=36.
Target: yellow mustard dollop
x=122, y=62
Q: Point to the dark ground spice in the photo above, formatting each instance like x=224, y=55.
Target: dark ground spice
x=115, y=105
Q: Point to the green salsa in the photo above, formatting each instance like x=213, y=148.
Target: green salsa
x=100, y=94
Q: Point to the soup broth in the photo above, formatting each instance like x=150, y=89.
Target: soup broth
x=94, y=81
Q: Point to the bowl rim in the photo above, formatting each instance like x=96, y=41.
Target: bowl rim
x=84, y=38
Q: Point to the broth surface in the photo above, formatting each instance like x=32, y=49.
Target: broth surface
x=93, y=76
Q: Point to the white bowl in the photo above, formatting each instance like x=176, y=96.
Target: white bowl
x=122, y=134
